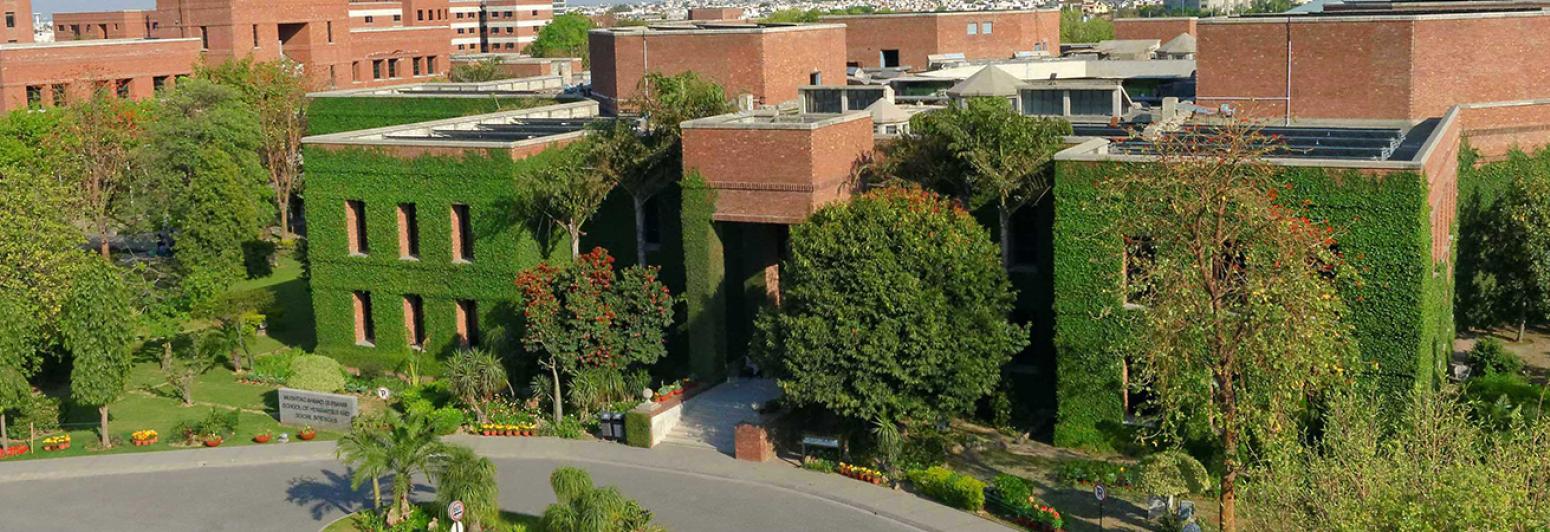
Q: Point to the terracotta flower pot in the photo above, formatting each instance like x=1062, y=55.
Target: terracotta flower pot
x=261, y=438
x=213, y=442
x=306, y=436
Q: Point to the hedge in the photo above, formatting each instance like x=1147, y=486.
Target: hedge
x=637, y=429
x=335, y=114
x=950, y=487
x=316, y=373
x=1400, y=309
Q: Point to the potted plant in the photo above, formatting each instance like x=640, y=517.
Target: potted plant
x=262, y=437
x=56, y=443
x=307, y=433
x=213, y=440
x=142, y=438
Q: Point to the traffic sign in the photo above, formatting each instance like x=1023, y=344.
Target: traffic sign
x=455, y=511
x=383, y=393
x=1099, y=492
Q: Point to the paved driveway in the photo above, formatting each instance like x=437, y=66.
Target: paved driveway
x=301, y=488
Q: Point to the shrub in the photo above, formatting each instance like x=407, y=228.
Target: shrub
x=276, y=367
x=446, y=420
x=1172, y=473
x=637, y=429
x=1095, y=472
x=950, y=487
x=1013, y=490
x=40, y=413
x=1490, y=357
x=819, y=464
x=317, y=373
x=1496, y=398
x=568, y=428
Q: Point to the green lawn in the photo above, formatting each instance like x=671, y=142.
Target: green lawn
x=148, y=402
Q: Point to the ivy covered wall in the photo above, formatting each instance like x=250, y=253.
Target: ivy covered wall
x=1400, y=308
x=335, y=114
x=506, y=239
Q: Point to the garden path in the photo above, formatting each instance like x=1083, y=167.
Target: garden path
x=710, y=418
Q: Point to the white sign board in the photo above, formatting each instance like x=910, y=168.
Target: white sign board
x=301, y=407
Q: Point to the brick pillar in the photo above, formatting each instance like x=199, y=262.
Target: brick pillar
x=753, y=443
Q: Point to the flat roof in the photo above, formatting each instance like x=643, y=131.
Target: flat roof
x=774, y=120
x=545, y=86
x=938, y=13
x=713, y=27
x=1374, y=15
x=505, y=129
x=1375, y=147
x=90, y=42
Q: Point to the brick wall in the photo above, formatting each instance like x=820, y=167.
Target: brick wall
x=769, y=174
x=77, y=67
x=19, y=28
x=918, y=35
x=102, y=25
x=1163, y=29
x=1374, y=68
x=715, y=13
x=769, y=63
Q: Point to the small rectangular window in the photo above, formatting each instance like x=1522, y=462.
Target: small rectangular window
x=330, y=27
x=355, y=71
x=365, y=327
x=158, y=83
x=255, y=36
x=370, y=19
x=462, y=235
x=1140, y=256
x=414, y=321
x=355, y=226
x=204, y=37
x=58, y=93
x=393, y=68
x=972, y=27
x=376, y=69
x=430, y=65
x=34, y=96
x=10, y=19
x=408, y=232
x=398, y=18
x=467, y=320
x=121, y=88
x=419, y=15
x=417, y=64
x=985, y=28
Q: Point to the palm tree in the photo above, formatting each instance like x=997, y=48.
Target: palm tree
x=463, y=475
x=361, y=450
x=403, y=446
x=475, y=376
x=584, y=508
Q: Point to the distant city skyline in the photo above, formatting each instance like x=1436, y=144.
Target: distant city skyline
x=49, y=7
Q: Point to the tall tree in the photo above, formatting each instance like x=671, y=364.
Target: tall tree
x=97, y=327
x=895, y=308
x=1521, y=258
x=1243, y=322
x=20, y=335
x=364, y=449
x=95, y=142
x=203, y=148
x=566, y=191
x=277, y=93
x=646, y=159
x=983, y=152
x=38, y=246
x=586, y=315
x=236, y=316
x=403, y=445
x=565, y=36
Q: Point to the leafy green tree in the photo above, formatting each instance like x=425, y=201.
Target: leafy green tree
x=1243, y=322
x=1431, y=468
x=38, y=245
x=586, y=315
x=1521, y=264
x=567, y=192
x=581, y=507
x=24, y=140
x=95, y=143
x=97, y=327
x=181, y=366
x=365, y=451
x=983, y=152
x=1077, y=28
x=645, y=160
x=487, y=69
x=277, y=93
x=792, y=15
x=475, y=376
x=894, y=307
x=462, y=475
x=203, y=147
x=235, y=317
x=20, y=335
x=565, y=36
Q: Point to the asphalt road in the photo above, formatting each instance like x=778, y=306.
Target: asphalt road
x=305, y=496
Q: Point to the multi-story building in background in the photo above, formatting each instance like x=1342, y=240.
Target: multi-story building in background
x=498, y=26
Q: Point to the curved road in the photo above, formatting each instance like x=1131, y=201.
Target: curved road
x=687, y=489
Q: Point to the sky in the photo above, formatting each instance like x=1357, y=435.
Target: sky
x=50, y=7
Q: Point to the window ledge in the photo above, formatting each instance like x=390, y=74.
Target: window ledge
x=410, y=258
x=358, y=254
x=366, y=344
x=462, y=261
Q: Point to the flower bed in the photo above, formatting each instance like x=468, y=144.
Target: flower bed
x=56, y=443
x=1011, y=498
x=864, y=474
x=14, y=450
x=508, y=429
x=1089, y=472
x=142, y=438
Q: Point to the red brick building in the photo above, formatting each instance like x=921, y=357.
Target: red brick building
x=1372, y=67
x=776, y=169
x=131, y=24
x=504, y=26
x=768, y=62
x=908, y=39
x=1163, y=29
x=715, y=13
x=16, y=27
x=47, y=74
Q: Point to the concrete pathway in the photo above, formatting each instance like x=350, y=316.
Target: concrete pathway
x=709, y=419
x=300, y=486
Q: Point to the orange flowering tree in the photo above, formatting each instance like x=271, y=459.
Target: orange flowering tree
x=1240, y=321
x=587, y=315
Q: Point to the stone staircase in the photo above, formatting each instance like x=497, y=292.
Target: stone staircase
x=710, y=418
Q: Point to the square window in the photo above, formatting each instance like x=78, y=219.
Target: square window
x=985, y=28
x=972, y=28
